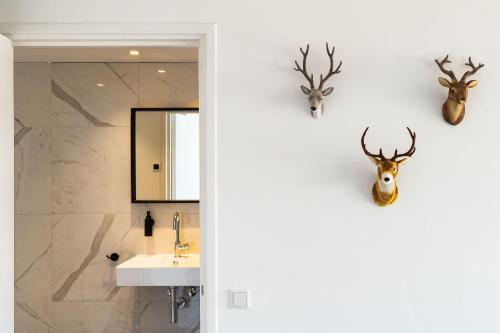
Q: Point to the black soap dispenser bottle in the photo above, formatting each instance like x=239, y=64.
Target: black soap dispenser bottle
x=148, y=225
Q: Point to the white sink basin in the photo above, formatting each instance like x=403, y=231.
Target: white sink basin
x=159, y=270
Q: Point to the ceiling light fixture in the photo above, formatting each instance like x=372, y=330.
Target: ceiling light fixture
x=162, y=71
x=100, y=84
x=134, y=53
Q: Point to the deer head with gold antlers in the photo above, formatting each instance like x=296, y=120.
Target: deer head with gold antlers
x=316, y=95
x=454, y=107
x=385, y=190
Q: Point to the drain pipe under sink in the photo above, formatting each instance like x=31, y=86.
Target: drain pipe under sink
x=175, y=304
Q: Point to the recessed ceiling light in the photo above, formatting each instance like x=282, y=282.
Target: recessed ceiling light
x=100, y=84
x=162, y=71
x=134, y=52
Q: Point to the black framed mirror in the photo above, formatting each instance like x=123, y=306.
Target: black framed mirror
x=165, y=155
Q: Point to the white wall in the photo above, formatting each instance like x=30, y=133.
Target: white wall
x=297, y=225
x=7, y=193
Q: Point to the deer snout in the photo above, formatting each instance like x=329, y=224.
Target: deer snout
x=387, y=177
x=315, y=104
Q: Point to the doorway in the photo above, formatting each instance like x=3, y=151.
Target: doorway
x=153, y=36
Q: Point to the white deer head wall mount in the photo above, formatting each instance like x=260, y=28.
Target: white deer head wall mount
x=316, y=95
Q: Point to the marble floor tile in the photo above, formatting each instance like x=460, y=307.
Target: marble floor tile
x=77, y=101
x=33, y=317
x=33, y=171
x=177, y=87
x=96, y=317
x=33, y=250
x=91, y=170
x=81, y=271
x=32, y=94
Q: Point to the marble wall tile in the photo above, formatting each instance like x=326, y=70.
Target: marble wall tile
x=166, y=208
x=33, y=171
x=177, y=87
x=163, y=239
x=96, y=317
x=91, y=170
x=77, y=101
x=33, y=250
x=33, y=317
x=32, y=94
x=81, y=271
x=155, y=312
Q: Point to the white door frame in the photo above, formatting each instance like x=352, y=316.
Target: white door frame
x=202, y=35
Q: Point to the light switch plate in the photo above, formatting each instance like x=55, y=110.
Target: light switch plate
x=239, y=299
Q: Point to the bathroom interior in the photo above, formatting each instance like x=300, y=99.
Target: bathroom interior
x=107, y=235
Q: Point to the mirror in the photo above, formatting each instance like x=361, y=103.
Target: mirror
x=165, y=155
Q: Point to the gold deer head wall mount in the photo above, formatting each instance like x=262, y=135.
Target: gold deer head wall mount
x=385, y=189
x=454, y=106
x=315, y=95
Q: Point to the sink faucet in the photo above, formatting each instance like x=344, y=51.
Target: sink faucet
x=177, y=227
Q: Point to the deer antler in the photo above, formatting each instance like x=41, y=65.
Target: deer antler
x=445, y=71
x=303, y=70
x=410, y=151
x=331, y=71
x=377, y=156
x=473, y=71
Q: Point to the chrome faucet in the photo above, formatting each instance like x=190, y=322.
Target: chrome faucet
x=177, y=227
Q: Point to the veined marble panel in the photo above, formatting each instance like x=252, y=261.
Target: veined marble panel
x=32, y=94
x=33, y=249
x=81, y=271
x=78, y=101
x=96, y=317
x=32, y=170
x=91, y=170
x=33, y=317
x=163, y=238
x=177, y=87
x=166, y=208
x=155, y=313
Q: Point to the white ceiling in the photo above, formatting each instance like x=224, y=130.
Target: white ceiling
x=105, y=54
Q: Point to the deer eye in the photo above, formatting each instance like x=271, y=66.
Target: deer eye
x=453, y=91
x=309, y=98
x=394, y=169
x=321, y=98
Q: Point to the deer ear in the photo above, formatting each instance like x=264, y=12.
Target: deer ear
x=374, y=160
x=403, y=161
x=327, y=91
x=444, y=82
x=472, y=84
x=306, y=90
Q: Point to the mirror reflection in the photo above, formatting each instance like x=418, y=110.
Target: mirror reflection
x=165, y=155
